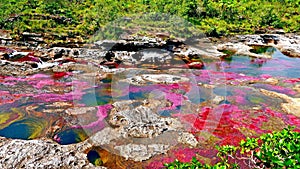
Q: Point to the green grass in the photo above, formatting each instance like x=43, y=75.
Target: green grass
x=211, y=17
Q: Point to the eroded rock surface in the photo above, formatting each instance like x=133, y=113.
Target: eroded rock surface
x=140, y=152
x=139, y=132
x=141, y=121
x=41, y=154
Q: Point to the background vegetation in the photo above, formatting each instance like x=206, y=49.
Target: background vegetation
x=84, y=17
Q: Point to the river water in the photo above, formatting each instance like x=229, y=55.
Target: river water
x=219, y=104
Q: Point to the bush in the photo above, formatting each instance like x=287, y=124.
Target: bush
x=271, y=150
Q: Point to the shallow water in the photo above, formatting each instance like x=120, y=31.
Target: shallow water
x=222, y=99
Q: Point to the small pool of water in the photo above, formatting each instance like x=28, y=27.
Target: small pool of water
x=279, y=66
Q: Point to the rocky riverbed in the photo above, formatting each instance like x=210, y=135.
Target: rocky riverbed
x=140, y=102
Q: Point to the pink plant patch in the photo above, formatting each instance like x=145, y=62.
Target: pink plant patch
x=275, y=88
x=292, y=81
x=101, y=115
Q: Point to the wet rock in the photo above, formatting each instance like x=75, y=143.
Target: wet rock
x=58, y=52
x=40, y=154
x=31, y=34
x=77, y=67
x=251, y=40
x=56, y=107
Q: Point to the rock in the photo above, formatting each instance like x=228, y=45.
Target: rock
x=105, y=136
x=80, y=110
x=292, y=106
x=132, y=128
x=27, y=34
x=287, y=44
x=162, y=35
x=22, y=56
x=5, y=52
x=4, y=35
x=241, y=49
x=208, y=86
x=196, y=65
x=139, y=152
x=271, y=80
x=205, y=48
x=297, y=88
x=17, y=69
x=41, y=154
x=277, y=31
x=251, y=40
x=270, y=38
x=156, y=78
x=187, y=138
x=141, y=122
x=292, y=51
x=218, y=99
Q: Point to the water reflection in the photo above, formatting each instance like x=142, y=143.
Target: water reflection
x=280, y=65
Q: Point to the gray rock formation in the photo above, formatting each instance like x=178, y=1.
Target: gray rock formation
x=41, y=154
